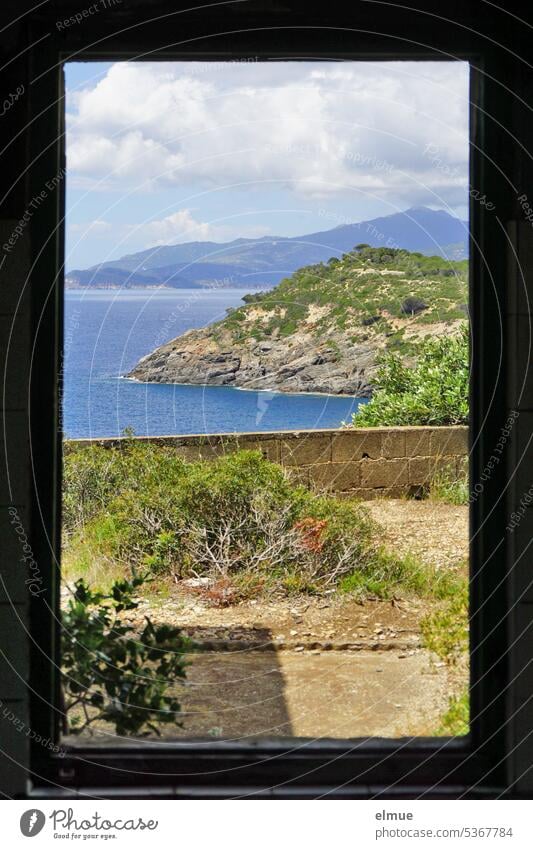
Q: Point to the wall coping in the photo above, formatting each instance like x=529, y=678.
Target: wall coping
x=205, y=438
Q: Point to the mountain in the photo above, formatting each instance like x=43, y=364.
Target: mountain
x=256, y=263
x=322, y=328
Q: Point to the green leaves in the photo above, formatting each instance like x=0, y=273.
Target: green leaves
x=433, y=392
x=112, y=674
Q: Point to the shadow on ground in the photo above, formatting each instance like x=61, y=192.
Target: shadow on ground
x=266, y=692
x=248, y=688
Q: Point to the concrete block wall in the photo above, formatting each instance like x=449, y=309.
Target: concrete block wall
x=365, y=462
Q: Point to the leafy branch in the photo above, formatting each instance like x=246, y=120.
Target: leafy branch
x=111, y=674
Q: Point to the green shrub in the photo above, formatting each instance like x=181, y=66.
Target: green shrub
x=456, y=720
x=446, y=630
x=111, y=673
x=432, y=392
x=239, y=515
x=351, y=288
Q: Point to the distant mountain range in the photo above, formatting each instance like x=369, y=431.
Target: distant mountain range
x=260, y=263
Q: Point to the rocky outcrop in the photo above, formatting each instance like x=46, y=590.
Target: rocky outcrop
x=299, y=363
x=321, y=329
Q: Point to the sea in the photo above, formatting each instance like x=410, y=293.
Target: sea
x=108, y=331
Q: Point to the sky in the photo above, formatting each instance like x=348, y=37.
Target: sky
x=169, y=152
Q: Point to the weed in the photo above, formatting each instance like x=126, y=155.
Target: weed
x=456, y=720
x=445, y=631
x=448, y=488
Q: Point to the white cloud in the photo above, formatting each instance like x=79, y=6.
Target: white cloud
x=178, y=227
x=316, y=129
x=182, y=226
x=96, y=226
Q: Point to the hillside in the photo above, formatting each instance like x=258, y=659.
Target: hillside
x=321, y=329
x=255, y=263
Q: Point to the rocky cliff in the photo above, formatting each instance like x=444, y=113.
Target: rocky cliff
x=301, y=364
x=322, y=329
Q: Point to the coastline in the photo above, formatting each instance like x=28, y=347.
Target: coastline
x=244, y=389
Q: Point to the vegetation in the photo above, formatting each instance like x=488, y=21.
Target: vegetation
x=445, y=630
x=109, y=675
x=433, y=391
x=448, y=488
x=408, y=575
x=238, y=521
x=456, y=720
x=366, y=292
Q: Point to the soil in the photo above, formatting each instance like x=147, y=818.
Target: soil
x=320, y=667
x=437, y=533
x=338, y=623
x=256, y=694
x=334, y=694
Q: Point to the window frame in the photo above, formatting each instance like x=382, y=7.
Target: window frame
x=284, y=768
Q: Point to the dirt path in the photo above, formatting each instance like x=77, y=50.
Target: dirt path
x=437, y=533
x=335, y=622
x=320, y=667
x=334, y=694
x=241, y=696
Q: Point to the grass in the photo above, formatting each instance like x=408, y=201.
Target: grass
x=100, y=572
x=447, y=488
x=455, y=722
x=445, y=631
x=407, y=575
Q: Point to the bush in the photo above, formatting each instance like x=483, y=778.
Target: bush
x=456, y=720
x=446, y=631
x=239, y=517
x=432, y=392
x=412, y=306
x=109, y=675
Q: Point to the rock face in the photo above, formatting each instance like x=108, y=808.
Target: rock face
x=321, y=329
x=297, y=364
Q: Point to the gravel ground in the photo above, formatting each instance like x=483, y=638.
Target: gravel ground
x=324, y=667
x=437, y=533
x=253, y=694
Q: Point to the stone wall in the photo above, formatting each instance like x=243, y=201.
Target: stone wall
x=363, y=462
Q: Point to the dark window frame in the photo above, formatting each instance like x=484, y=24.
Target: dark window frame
x=282, y=767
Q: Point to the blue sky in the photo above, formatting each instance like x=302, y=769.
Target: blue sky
x=161, y=153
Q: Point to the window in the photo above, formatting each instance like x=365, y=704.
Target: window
x=330, y=763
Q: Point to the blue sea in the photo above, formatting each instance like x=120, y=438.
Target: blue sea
x=106, y=333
